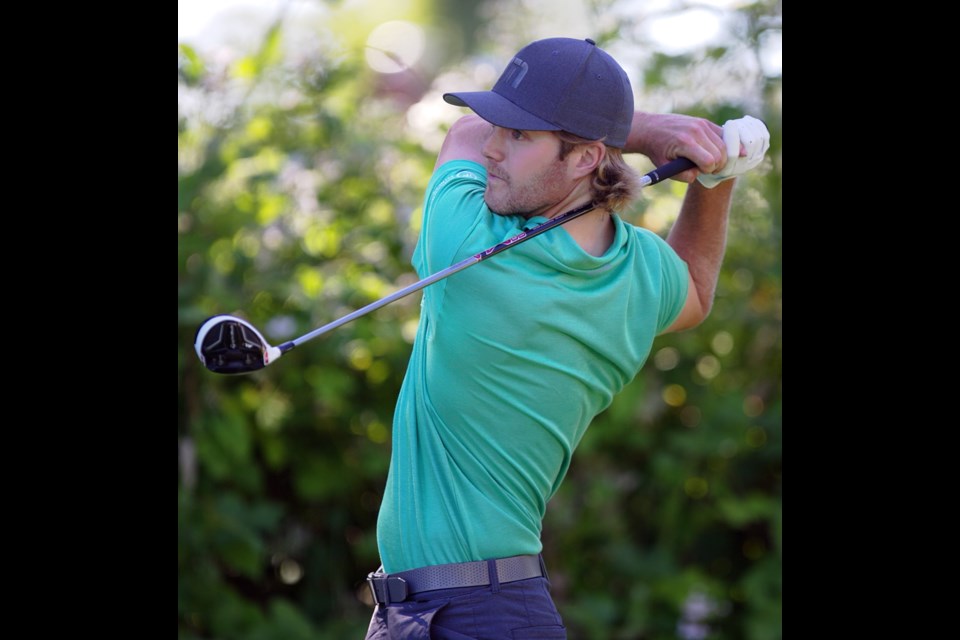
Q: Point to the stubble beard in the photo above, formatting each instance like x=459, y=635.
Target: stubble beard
x=530, y=198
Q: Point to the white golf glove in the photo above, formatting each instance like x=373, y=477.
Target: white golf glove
x=750, y=132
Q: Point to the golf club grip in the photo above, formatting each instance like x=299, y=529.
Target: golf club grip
x=668, y=170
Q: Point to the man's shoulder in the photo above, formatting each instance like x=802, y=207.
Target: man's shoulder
x=645, y=241
x=459, y=170
x=640, y=232
x=456, y=176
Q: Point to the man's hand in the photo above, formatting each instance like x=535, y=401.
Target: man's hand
x=668, y=136
x=746, y=140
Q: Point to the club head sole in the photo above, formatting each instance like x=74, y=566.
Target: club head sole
x=230, y=345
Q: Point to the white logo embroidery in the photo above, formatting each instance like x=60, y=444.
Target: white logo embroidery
x=519, y=68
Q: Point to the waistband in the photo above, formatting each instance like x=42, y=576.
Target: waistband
x=397, y=587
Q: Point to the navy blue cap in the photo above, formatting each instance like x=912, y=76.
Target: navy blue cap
x=558, y=84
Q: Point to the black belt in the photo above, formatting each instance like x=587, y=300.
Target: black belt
x=397, y=587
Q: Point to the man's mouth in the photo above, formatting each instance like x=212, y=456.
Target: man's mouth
x=493, y=174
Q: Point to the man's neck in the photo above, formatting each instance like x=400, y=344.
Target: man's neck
x=593, y=231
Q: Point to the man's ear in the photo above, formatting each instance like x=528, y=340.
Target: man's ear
x=588, y=157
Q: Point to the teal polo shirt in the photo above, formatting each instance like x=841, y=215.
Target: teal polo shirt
x=513, y=358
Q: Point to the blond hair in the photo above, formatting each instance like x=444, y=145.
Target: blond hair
x=615, y=184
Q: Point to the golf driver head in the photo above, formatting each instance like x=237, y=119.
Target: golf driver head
x=227, y=344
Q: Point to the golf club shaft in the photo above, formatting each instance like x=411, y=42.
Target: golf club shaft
x=659, y=174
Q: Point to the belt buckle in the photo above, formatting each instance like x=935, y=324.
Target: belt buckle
x=394, y=588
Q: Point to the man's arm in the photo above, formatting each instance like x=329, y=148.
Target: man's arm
x=699, y=236
x=665, y=137
x=700, y=232
x=465, y=140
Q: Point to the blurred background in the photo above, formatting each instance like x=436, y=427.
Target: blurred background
x=306, y=133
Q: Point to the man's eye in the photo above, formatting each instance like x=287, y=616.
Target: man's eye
x=517, y=134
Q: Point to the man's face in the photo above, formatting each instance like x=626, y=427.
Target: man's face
x=524, y=173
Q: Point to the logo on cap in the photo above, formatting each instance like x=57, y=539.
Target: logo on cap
x=514, y=64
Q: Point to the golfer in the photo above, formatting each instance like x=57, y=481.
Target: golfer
x=515, y=357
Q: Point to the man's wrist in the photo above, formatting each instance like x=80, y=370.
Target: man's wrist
x=710, y=180
x=721, y=188
x=636, y=142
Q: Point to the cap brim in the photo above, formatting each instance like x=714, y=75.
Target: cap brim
x=497, y=110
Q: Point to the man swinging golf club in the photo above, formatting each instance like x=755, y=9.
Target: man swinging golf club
x=514, y=358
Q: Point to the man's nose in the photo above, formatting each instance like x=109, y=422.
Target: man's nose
x=493, y=147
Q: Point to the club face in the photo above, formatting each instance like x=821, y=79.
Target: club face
x=230, y=345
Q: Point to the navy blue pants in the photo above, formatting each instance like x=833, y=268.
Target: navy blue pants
x=512, y=611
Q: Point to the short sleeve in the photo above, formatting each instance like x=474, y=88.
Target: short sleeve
x=452, y=206
x=674, y=285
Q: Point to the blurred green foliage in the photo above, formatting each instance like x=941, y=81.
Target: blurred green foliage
x=299, y=178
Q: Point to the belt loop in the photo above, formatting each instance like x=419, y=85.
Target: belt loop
x=494, y=576
x=543, y=567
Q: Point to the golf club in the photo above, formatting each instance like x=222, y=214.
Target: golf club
x=230, y=345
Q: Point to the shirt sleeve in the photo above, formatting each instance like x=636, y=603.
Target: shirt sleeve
x=452, y=206
x=674, y=283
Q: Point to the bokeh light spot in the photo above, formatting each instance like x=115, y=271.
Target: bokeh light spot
x=708, y=366
x=377, y=432
x=753, y=405
x=395, y=46
x=674, y=395
x=666, y=359
x=359, y=355
x=290, y=571
x=722, y=343
x=311, y=281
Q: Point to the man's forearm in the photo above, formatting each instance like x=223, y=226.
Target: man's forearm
x=699, y=236
x=665, y=137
